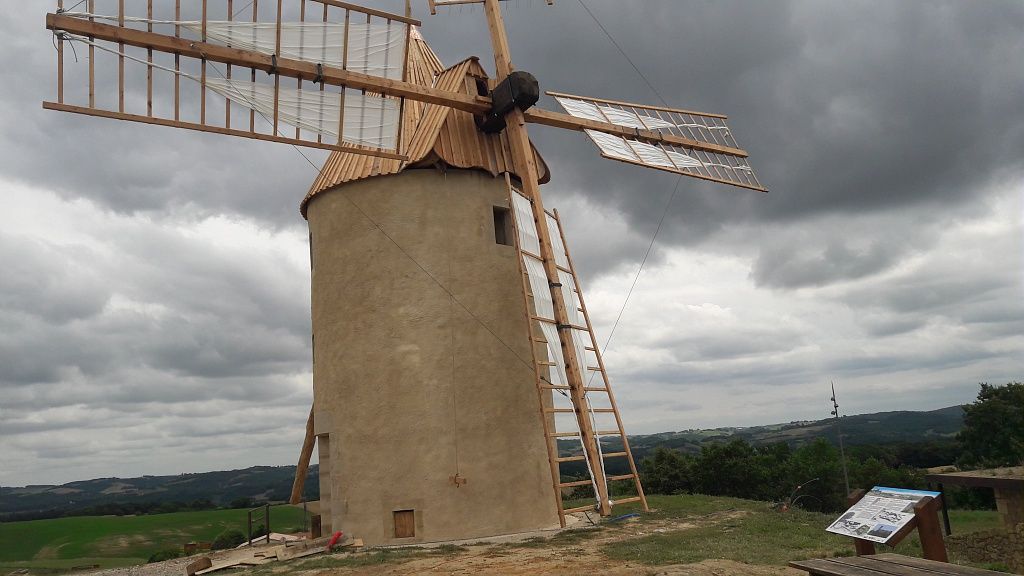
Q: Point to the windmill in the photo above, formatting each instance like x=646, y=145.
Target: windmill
x=453, y=355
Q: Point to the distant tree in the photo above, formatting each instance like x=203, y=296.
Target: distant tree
x=165, y=554
x=202, y=504
x=245, y=502
x=993, y=432
x=727, y=469
x=818, y=460
x=667, y=472
x=228, y=539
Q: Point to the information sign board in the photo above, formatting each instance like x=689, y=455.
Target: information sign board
x=880, y=514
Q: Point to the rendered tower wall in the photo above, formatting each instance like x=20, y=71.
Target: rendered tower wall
x=409, y=389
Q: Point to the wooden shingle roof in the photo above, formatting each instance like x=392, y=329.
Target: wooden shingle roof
x=430, y=134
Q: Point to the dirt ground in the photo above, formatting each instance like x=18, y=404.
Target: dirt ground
x=562, y=556
x=569, y=553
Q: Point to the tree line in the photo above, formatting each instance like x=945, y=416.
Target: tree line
x=993, y=435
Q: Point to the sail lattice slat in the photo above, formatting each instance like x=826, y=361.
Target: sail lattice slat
x=690, y=161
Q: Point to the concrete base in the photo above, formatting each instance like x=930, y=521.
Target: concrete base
x=425, y=405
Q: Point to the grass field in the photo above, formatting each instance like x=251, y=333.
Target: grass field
x=110, y=541
x=679, y=530
x=759, y=535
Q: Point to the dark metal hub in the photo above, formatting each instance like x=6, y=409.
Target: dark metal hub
x=518, y=90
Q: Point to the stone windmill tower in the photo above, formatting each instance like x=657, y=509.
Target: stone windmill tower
x=427, y=422
x=452, y=349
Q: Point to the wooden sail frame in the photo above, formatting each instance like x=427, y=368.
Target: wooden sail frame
x=67, y=27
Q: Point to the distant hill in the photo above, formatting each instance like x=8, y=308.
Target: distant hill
x=273, y=483
x=880, y=428
x=877, y=428
x=260, y=483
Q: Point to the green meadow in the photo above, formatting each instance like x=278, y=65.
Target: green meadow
x=109, y=541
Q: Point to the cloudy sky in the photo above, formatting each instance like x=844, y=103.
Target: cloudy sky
x=154, y=293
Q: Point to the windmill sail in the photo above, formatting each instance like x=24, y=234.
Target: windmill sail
x=302, y=102
x=374, y=48
x=712, y=153
x=364, y=119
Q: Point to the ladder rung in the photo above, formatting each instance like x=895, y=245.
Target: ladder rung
x=589, y=349
x=546, y=364
x=576, y=483
x=599, y=433
x=531, y=254
x=566, y=387
x=625, y=500
x=620, y=477
x=573, y=411
x=578, y=509
x=594, y=368
x=541, y=340
x=608, y=455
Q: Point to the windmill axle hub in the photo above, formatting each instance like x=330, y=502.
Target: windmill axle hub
x=518, y=90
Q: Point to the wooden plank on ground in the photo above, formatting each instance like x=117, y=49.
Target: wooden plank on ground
x=829, y=567
x=936, y=567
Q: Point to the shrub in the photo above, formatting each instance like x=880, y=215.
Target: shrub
x=165, y=554
x=228, y=539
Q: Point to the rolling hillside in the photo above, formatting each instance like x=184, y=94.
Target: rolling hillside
x=273, y=483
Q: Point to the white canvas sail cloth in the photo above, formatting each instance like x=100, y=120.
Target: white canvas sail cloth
x=375, y=48
x=681, y=159
x=368, y=120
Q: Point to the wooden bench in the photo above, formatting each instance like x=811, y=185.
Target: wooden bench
x=886, y=565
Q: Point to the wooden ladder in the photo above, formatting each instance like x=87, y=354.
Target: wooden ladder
x=554, y=398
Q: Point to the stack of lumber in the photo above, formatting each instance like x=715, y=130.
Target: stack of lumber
x=258, y=555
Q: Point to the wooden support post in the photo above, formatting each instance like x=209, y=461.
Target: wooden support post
x=315, y=526
x=91, y=7
x=227, y=101
x=526, y=169
x=120, y=60
x=252, y=74
x=177, y=62
x=60, y=61
x=926, y=514
x=149, y=61
x=277, y=77
x=298, y=81
x=862, y=547
x=299, y=484
x=202, y=74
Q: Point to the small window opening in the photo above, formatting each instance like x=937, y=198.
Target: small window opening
x=405, y=523
x=481, y=87
x=502, y=226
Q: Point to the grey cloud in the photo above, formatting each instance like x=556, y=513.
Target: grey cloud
x=787, y=266
x=53, y=283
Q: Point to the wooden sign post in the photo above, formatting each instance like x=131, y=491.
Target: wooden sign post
x=925, y=521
